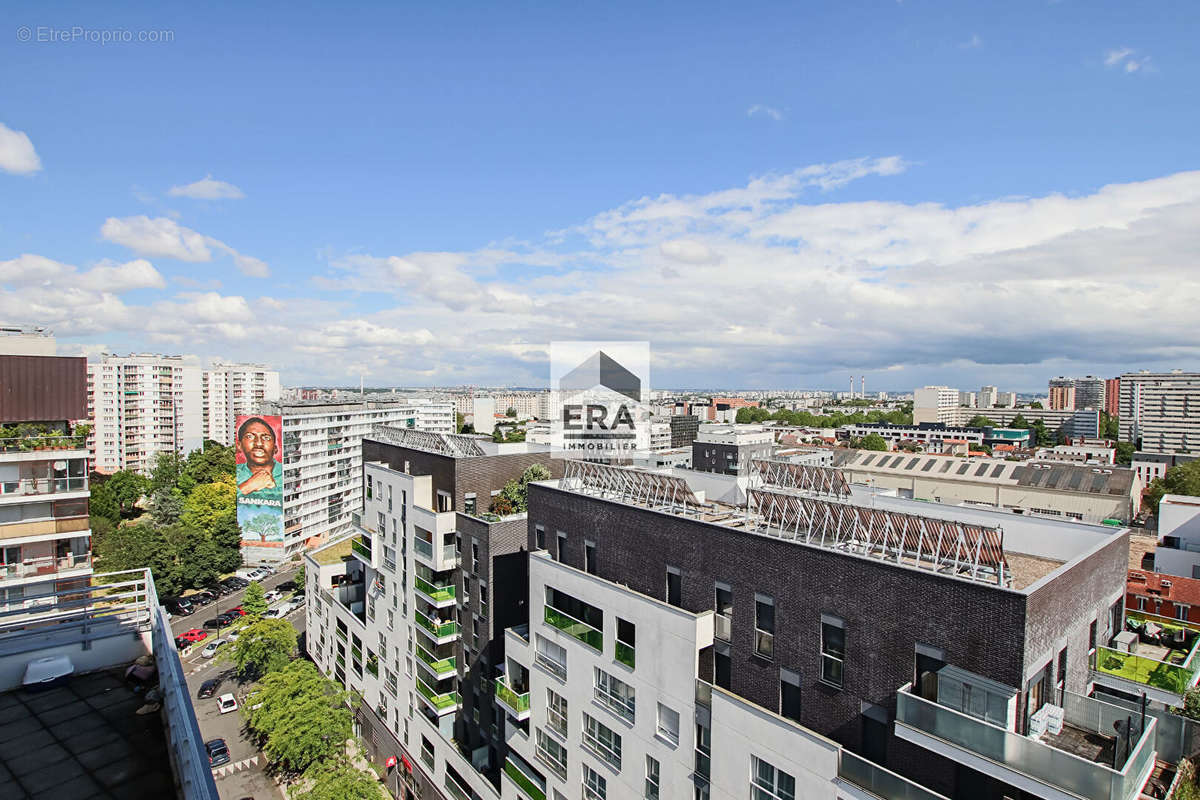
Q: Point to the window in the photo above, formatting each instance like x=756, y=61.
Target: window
x=768, y=783
x=1141, y=604
x=561, y=536
x=551, y=753
x=1092, y=635
x=427, y=752
x=469, y=503
x=539, y=537
x=789, y=694
x=723, y=604
x=614, y=694
x=833, y=650
x=595, y=787
x=703, y=751
x=668, y=724
x=602, y=740
x=626, y=642
x=589, y=557
x=1115, y=615
x=674, y=587
x=571, y=615
x=552, y=657
x=722, y=666
x=653, y=778
x=764, y=625
x=556, y=712
x=1181, y=612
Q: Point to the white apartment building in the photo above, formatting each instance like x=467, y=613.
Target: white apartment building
x=934, y=404
x=232, y=390
x=141, y=405
x=322, y=465
x=986, y=397
x=1160, y=411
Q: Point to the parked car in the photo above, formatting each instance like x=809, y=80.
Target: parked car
x=236, y=610
x=223, y=589
x=194, y=635
x=181, y=607
x=218, y=752
x=211, y=648
x=219, y=621
x=271, y=595
x=233, y=635
x=181, y=643
x=208, y=688
x=205, y=596
x=226, y=703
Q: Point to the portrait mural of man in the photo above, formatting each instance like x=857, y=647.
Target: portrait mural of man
x=259, y=476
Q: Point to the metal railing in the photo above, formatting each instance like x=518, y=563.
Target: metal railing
x=42, y=441
x=36, y=486
x=582, y=631
x=879, y=781
x=47, y=565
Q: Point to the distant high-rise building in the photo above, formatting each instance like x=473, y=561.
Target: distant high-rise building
x=1112, y=396
x=934, y=404
x=1006, y=400
x=967, y=399
x=231, y=390
x=986, y=397
x=1160, y=411
x=1062, y=394
x=1089, y=392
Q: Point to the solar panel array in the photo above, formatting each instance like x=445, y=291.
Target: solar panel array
x=939, y=545
x=784, y=474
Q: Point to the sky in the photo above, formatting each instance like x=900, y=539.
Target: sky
x=774, y=195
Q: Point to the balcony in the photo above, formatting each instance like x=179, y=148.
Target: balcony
x=441, y=631
x=48, y=565
x=361, y=547
x=439, y=595
x=1161, y=661
x=880, y=782
x=585, y=633
x=38, y=486
x=42, y=441
x=1082, y=759
x=440, y=668
x=443, y=703
x=44, y=527
x=423, y=548
x=531, y=785
x=515, y=702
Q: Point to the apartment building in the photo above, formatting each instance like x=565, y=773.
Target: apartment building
x=322, y=466
x=1112, y=396
x=986, y=397
x=728, y=449
x=935, y=404
x=233, y=390
x=411, y=610
x=1077, y=393
x=1149, y=466
x=1062, y=394
x=684, y=429
x=141, y=405
x=1160, y=411
x=45, y=536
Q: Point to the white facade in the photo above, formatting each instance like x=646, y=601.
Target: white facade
x=734, y=434
x=28, y=341
x=483, y=414
x=1178, y=551
x=967, y=399
x=232, y=390
x=142, y=405
x=1159, y=410
x=986, y=397
x=934, y=404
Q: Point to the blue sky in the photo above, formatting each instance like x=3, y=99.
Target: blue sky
x=771, y=194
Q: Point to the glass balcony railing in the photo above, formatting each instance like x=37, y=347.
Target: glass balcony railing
x=625, y=654
x=361, y=545
x=577, y=628
x=438, y=593
x=423, y=548
x=439, y=666
x=438, y=628
x=879, y=781
x=47, y=565
x=445, y=701
x=1174, y=678
x=530, y=785
x=34, y=486
x=517, y=702
x=1036, y=757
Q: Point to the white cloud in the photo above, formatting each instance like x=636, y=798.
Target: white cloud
x=165, y=238
x=1127, y=60
x=766, y=111
x=207, y=189
x=973, y=43
x=16, y=152
x=29, y=269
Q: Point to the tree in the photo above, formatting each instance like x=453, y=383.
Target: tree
x=1110, y=426
x=166, y=506
x=127, y=488
x=873, y=441
x=1183, y=479
x=1191, y=704
x=340, y=781
x=1036, y=404
x=1020, y=423
x=129, y=546
x=227, y=542
x=300, y=717
x=300, y=577
x=254, y=603
x=980, y=421
x=212, y=464
x=209, y=504
x=459, y=421
x=510, y=412
x=265, y=645
x=103, y=505
x=1124, y=454
x=168, y=473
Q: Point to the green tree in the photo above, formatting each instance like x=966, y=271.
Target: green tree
x=300, y=717
x=300, y=577
x=185, y=559
x=165, y=506
x=873, y=441
x=209, y=504
x=1110, y=426
x=1191, y=704
x=253, y=602
x=510, y=412
x=265, y=645
x=168, y=473
x=103, y=505
x=129, y=546
x=211, y=464
x=126, y=489
x=1124, y=454
x=339, y=781
x=459, y=421
x=227, y=541
x=980, y=421
x=1020, y=423
x=1183, y=479
x=1035, y=404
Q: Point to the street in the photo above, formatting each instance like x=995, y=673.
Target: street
x=243, y=776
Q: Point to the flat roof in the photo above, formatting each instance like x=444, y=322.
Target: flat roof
x=332, y=553
x=453, y=445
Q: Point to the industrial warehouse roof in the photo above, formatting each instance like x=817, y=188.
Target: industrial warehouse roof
x=1054, y=476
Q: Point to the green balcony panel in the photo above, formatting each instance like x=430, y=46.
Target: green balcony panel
x=625, y=654
x=580, y=630
x=523, y=782
x=517, y=702
x=434, y=591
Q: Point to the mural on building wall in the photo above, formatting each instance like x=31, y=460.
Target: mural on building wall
x=259, y=475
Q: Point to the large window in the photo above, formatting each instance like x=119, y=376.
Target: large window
x=769, y=783
x=668, y=724
x=615, y=694
x=583, y=621
x=764, y=625
x=626, y=649
x=552, y=657
x=724, y=608
x=595, y=787
x=602, y=740
x=551, y=753
x=833, y=651
x=556, y=712
x=653, y=778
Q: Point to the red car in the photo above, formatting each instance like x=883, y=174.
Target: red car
x=236, y=610
x=194, y=635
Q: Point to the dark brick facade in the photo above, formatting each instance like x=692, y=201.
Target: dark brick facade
x=726, y=459
x=887, y=609
x=684, y=429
